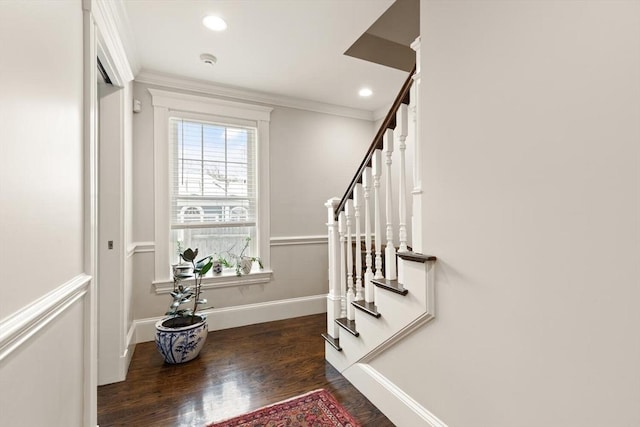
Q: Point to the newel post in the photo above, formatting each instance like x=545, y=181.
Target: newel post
x=417, y=235
x=334, y=296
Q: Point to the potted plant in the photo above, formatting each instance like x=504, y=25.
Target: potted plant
x=241, y=262
x=181, y=336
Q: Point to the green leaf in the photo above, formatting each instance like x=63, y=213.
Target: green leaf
x=202, y=301
x=190, y=255
x=203, y=261
x=206, y=268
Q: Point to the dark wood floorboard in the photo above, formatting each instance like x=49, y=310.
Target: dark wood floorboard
x=238, y=370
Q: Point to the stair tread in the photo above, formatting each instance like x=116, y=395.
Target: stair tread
x=390, y=285
x=348, y=325
x=334, y=342
x=414, y=256
x=367, y=307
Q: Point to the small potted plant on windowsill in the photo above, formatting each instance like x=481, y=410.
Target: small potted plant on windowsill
x=181, y=335
x=241, y=262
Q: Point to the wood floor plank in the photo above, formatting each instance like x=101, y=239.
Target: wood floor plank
x=238, y=370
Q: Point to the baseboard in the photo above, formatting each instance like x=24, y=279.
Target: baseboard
x=116, y=371
x=397, y=405
x=243, y=315
x=131, y=346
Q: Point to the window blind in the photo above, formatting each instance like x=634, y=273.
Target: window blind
x=213, y=185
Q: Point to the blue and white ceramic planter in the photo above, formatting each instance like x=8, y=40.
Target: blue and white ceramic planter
x=179, y=344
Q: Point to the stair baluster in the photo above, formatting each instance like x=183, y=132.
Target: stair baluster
x=377, y=172
x=368, y=275
x=342, y=229
x=390, y=250
x=357, y=202
x=351, y=296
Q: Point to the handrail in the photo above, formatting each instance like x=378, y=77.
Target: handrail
x=389, y=122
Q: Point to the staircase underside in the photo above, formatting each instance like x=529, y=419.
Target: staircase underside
x=401, y=307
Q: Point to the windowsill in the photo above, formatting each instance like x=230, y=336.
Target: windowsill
x=227, y=279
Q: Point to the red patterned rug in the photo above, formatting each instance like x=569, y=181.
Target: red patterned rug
x=314, y=409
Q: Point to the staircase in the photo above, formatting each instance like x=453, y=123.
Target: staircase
x=373, y=304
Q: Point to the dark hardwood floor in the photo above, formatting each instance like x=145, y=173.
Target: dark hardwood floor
x=238, y=370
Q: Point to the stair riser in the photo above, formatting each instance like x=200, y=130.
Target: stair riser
x=337, y=359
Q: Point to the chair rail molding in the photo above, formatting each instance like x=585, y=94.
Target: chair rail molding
x=298, y=240
x=140, y=247
x=21, y=326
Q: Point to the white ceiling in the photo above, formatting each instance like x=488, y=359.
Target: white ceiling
x=291, y=48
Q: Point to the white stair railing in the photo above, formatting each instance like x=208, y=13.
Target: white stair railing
x=347, y=216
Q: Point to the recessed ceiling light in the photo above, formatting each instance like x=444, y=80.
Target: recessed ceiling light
x=214, y=23
x=365, y=92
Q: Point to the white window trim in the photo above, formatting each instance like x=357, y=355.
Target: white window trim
x=164, y=103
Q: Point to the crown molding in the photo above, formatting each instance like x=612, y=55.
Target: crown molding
x=235, y=93
x=204, y=104
x=110, y=50
x=123, y=26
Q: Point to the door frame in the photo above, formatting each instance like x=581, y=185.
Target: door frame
x=101, y=40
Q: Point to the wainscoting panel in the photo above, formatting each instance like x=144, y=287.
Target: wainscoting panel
x=43, y=344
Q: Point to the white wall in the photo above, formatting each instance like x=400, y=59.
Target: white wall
x=312, y=158
x=41, y=206
x=531, y=138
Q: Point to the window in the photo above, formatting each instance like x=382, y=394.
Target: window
x=211, y=180
x=212, y=186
